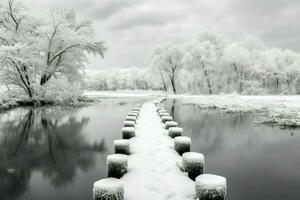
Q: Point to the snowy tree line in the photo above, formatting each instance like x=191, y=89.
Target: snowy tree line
x=125, y=79
x=213, y=64
x=44, y=57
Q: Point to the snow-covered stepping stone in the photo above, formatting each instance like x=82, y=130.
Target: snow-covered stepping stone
x=163, y=114
x=129, y=124
x=165, y=119
x=135, y=110
x=130, y=118
x=161, y=111
x=128, y=132
x=175, y=131
x=108, y=189
x=133, y=114
x=117, y=165
x=170, y=124
x=122, y=147
x=182, y=144
x=210, y=187
x=193, y=164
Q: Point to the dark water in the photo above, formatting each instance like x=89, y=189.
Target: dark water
x=259, y=162
x=57, y=153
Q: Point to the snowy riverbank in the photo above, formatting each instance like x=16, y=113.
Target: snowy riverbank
x=281, y=110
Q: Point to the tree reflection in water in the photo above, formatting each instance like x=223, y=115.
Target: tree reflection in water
x=55, y=146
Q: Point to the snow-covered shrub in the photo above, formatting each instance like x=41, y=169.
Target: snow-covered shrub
x=117, y=165
x=210, y=187
x=193, y=164
x=108, y=189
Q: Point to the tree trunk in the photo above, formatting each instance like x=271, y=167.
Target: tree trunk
x=208, y=82
x=163, y=80
x=173, y=84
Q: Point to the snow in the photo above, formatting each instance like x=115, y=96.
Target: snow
x=182, y=144
x=128, y=132
x=130, y=118
x=129, y=123
x=172, y=124
x=193, y=157
x=182, y=140
x=166, y=118
x=282, y=110
x=122, y=93
x=110, y=185
x=122, y=147
x=174, y=131
x=133, y=114
x=211, y=185
x=128, y=129
x=161, y=114
x=121, y=142
x=210, y=181
x=153, y=172
x=109, y=188
x=117, y=158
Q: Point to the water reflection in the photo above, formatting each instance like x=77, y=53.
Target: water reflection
x=36, y=140
x=259, y=162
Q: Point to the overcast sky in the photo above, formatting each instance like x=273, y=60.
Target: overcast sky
x=132, y=28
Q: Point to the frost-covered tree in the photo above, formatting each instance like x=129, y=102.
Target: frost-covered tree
x=18, y=54
x=125, y=79
x=237, y=58
x=212, y=64
x=167, y=61
x=201, y=57
x=33, y=52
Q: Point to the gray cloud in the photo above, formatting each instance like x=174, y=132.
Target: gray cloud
x=132, y=28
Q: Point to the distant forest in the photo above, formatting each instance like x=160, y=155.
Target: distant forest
x=210, y=64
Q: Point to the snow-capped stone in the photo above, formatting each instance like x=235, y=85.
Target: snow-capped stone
x=122, y=146
x=165, y=119
x=170, y=124
x=108, y=189
x=182, y=144
x=117, y=165
x=174, y=131
x=193, y=163
x=129, y=124
x=130, y=118
x=209, y=186
x=128, y=132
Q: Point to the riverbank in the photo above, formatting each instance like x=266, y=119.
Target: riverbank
x=271, y=110
x=7, y=104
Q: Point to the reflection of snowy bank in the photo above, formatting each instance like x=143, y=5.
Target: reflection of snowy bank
x=282, y=110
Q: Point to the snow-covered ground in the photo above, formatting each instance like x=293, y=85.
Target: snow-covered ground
x=153, y=173
x=123, y=93
x=282, y=110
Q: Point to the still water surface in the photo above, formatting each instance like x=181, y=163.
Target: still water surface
x=57, y=153
x=259, y=162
